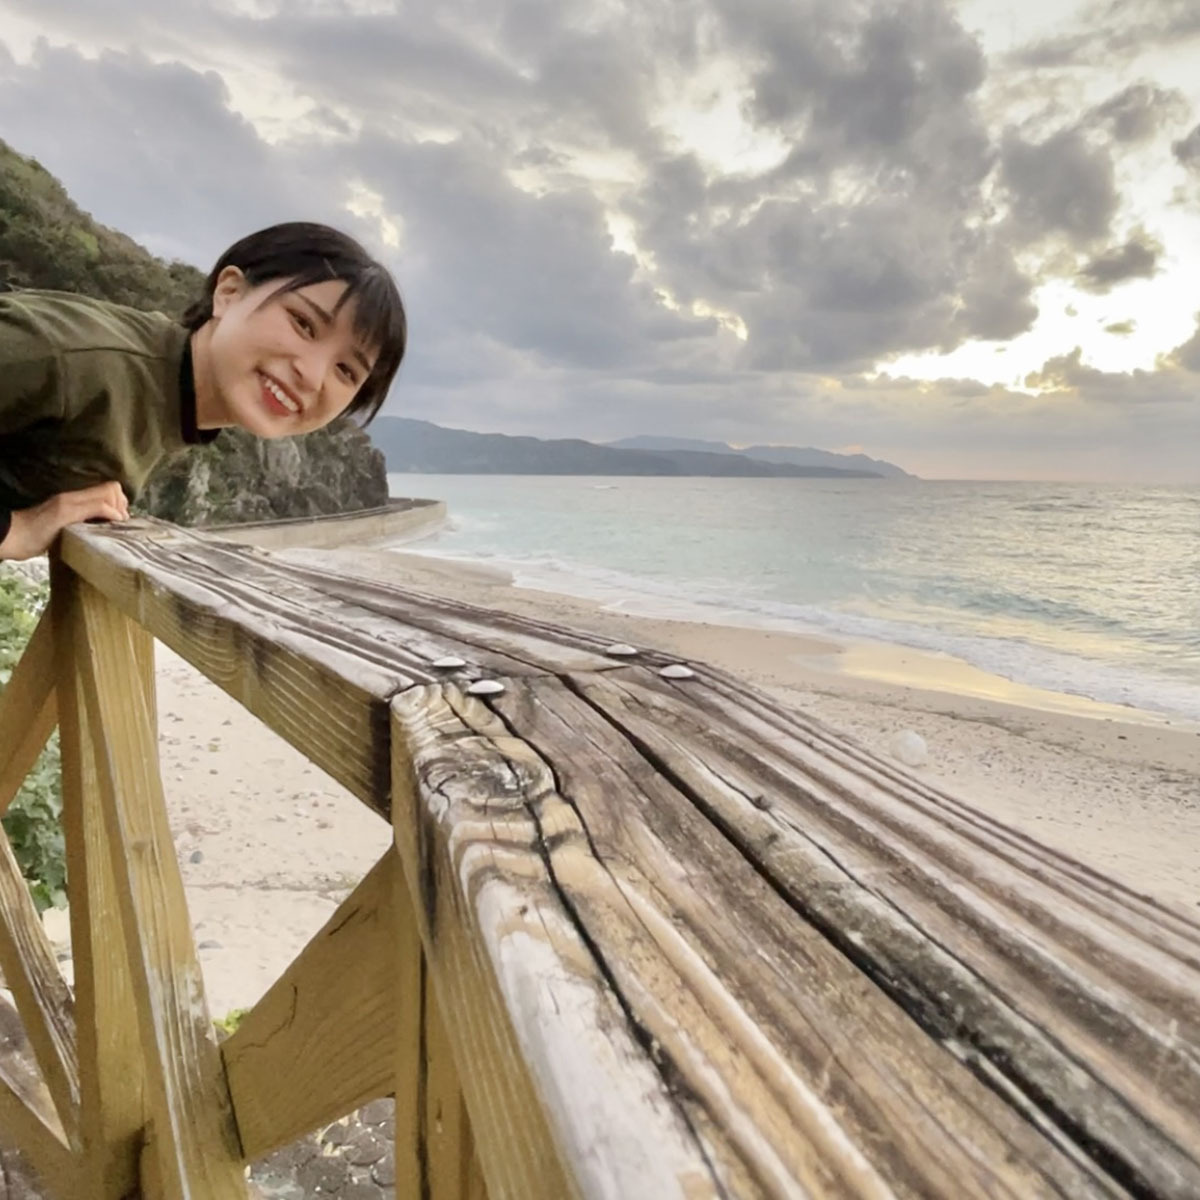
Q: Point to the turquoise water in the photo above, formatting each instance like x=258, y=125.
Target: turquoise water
x=1083, y=589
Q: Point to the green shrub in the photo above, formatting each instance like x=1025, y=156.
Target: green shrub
x=33, y=821
x=228, y=1024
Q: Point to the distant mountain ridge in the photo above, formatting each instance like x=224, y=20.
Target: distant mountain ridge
x=425, y=448
x=801, y=456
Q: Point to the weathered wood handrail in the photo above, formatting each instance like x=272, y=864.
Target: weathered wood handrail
x=638, y=936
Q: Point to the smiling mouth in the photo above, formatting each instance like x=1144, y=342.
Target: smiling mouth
x=283, y=399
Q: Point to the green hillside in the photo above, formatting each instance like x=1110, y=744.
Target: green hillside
x=47, y=241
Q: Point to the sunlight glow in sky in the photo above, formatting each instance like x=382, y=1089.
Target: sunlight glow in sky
x=1163, y=310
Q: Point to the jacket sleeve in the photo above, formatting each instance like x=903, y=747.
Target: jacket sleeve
x=30, y=387
x=30, y=376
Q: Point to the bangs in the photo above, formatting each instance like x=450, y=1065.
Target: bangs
x=379, y=323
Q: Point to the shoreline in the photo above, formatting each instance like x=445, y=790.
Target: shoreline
x=884, y=647
x=848, y=656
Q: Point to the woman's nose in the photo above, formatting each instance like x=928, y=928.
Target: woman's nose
x=312, y=365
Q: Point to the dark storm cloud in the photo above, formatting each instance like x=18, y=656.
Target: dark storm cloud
x=1063, y=185
x=1137, y=258
x=1063, y=50
x=864, y=241
x=1138, y=112
x=1187, y=150
x=870, y=74
x=874, y=100
x=152, y=149
x=535, y=273
x=1114, y=28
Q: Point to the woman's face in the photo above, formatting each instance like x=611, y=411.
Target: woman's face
x=281, y=364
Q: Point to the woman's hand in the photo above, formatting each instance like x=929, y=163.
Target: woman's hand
x=33, y=529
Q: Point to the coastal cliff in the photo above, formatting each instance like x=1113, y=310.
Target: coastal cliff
x=243, y=478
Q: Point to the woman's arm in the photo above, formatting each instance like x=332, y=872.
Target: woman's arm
x=31, y=530
x=30, y=393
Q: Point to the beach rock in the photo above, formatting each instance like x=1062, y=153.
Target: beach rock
x=362, y=1189
x=377, y=1112
x=57, y=924
x=365, y=1148
x=33, y=570
x=909, y=747
x=328, y=1175
x=384, y=1171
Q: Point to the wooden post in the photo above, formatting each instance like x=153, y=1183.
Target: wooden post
x=188, y=1099
x=27, y=711
x=435, y=1148
x=27, y=715
x=452, y=1164
x=110, y=1056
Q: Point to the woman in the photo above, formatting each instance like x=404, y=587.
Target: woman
x=297, y=326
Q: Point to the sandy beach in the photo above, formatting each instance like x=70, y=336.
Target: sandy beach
x=269, y=845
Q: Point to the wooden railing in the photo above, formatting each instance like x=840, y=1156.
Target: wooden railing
x=639, y=935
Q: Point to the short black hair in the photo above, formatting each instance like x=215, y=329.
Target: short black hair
x=302, y=253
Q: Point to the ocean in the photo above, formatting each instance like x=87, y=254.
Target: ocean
x=1084, y=589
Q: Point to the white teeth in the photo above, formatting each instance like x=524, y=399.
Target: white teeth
x=280, y=395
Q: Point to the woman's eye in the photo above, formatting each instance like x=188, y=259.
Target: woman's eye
x=348, y=374
x=305, y=324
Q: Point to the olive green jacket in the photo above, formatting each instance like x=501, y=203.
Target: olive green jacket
x=90, y=392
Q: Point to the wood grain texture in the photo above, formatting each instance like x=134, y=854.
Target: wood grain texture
x=188, y=1100
x=408, y=964
x=563, y=1097
x=322, y=1041
x=28, y=711
x=111, y=1073
x=272, y=631
x=1007, y=958
x=43, y=998
x=990, y=944
x=796, y=1065
x=316, y=693
x=28, y=1120
x=813, y=1074
x=452, y=1170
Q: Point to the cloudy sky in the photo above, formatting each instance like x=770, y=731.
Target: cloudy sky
x=964, y=236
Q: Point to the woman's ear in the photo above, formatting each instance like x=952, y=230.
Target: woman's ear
x=231, y=286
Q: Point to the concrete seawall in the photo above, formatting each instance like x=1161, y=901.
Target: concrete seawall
x=401, y=520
